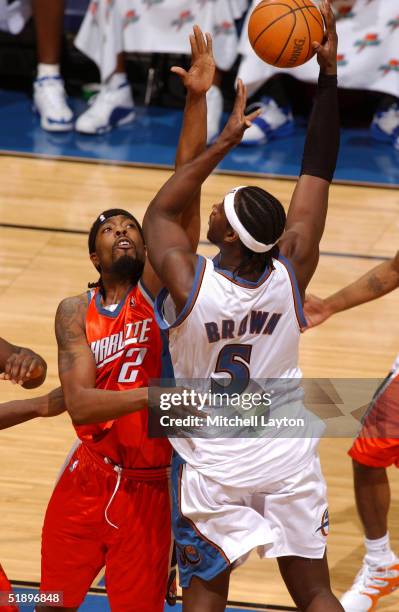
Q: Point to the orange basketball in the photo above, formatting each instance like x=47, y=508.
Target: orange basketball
x=281, y=32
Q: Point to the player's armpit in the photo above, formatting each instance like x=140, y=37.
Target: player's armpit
x=150, y=280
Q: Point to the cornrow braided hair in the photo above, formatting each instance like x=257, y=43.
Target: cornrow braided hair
x=98, y=284
x=263, y=216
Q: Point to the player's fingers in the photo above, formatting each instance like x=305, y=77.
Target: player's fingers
x=17, y=366
x=194, y=49
x=24, y=369
x=242, y=96
x=9, y=365
x=239, y=95
x=35, y=364
x=180, y=71
x=325, y=27
x=245, y=93
x=199, y=37
x=330, y=20
x=15, y=370
x=209, y=43
x=3, y=376
x=324, y=10
x=249, y=118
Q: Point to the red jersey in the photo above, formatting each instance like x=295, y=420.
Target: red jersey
x=127, y=347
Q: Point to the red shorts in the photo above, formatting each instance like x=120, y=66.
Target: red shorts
x=5, y=588
x=78, y=541
x=377, y=444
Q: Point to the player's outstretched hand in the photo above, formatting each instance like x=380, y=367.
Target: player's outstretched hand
x=25, y=368
x=238, y=122
x=327, y=52
x=200, y=76
x=316, y=310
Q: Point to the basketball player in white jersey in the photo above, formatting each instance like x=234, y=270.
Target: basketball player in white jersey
x=240, y=316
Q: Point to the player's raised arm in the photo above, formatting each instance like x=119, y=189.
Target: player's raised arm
x=169, y=247
x=308, y=209
x=192, y=142
x=19, y=411
x=77, y=370
x=21, y=365
x=379, y=281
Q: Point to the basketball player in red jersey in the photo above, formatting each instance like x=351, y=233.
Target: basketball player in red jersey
x=110, y=507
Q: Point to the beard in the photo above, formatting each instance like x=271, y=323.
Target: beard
x=127, y=269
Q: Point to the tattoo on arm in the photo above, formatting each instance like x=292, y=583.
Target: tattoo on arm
x=69, y=328
x=375, y=284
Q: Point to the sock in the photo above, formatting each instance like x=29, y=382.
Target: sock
x=378, y=552
x=48, y=70
x=116, y=80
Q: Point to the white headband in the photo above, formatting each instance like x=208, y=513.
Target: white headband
x=243, y=234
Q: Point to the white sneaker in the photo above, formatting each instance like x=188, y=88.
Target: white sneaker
x=214, y=101
x=49, y=100
x=108, y=109
x=371, y=583
x=273, y=122
x=385, y=124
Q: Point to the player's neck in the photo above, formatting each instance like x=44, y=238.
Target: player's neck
x=114, y=291
x=232, y=261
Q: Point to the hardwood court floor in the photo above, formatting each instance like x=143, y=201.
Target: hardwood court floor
x=41, y=266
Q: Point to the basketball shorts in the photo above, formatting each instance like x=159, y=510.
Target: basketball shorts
x=100, y=518
x=217, y=526
x=377, y=444
x=5, y=590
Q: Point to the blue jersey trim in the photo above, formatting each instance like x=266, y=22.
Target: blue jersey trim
x=196, y=555
x=238, y=280
x=295, y=291
x=146, y=293
x=167, y=371
x=107, y=313
x=163, y=294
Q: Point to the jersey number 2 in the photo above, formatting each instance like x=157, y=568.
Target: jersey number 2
x=129, y=371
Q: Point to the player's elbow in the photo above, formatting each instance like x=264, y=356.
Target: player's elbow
x=77, y=408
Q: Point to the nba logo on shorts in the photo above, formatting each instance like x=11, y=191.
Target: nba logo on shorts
x=324, y=524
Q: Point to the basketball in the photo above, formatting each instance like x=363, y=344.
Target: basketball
x=281, y=32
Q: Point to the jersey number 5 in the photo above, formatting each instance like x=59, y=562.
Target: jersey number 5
x=233, y=359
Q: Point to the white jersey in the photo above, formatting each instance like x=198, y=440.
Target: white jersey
x=230, y=327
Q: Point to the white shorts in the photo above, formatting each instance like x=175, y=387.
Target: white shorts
x=217, y=526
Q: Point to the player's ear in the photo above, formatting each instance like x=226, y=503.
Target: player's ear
x=231, y=235
x=94, y=260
